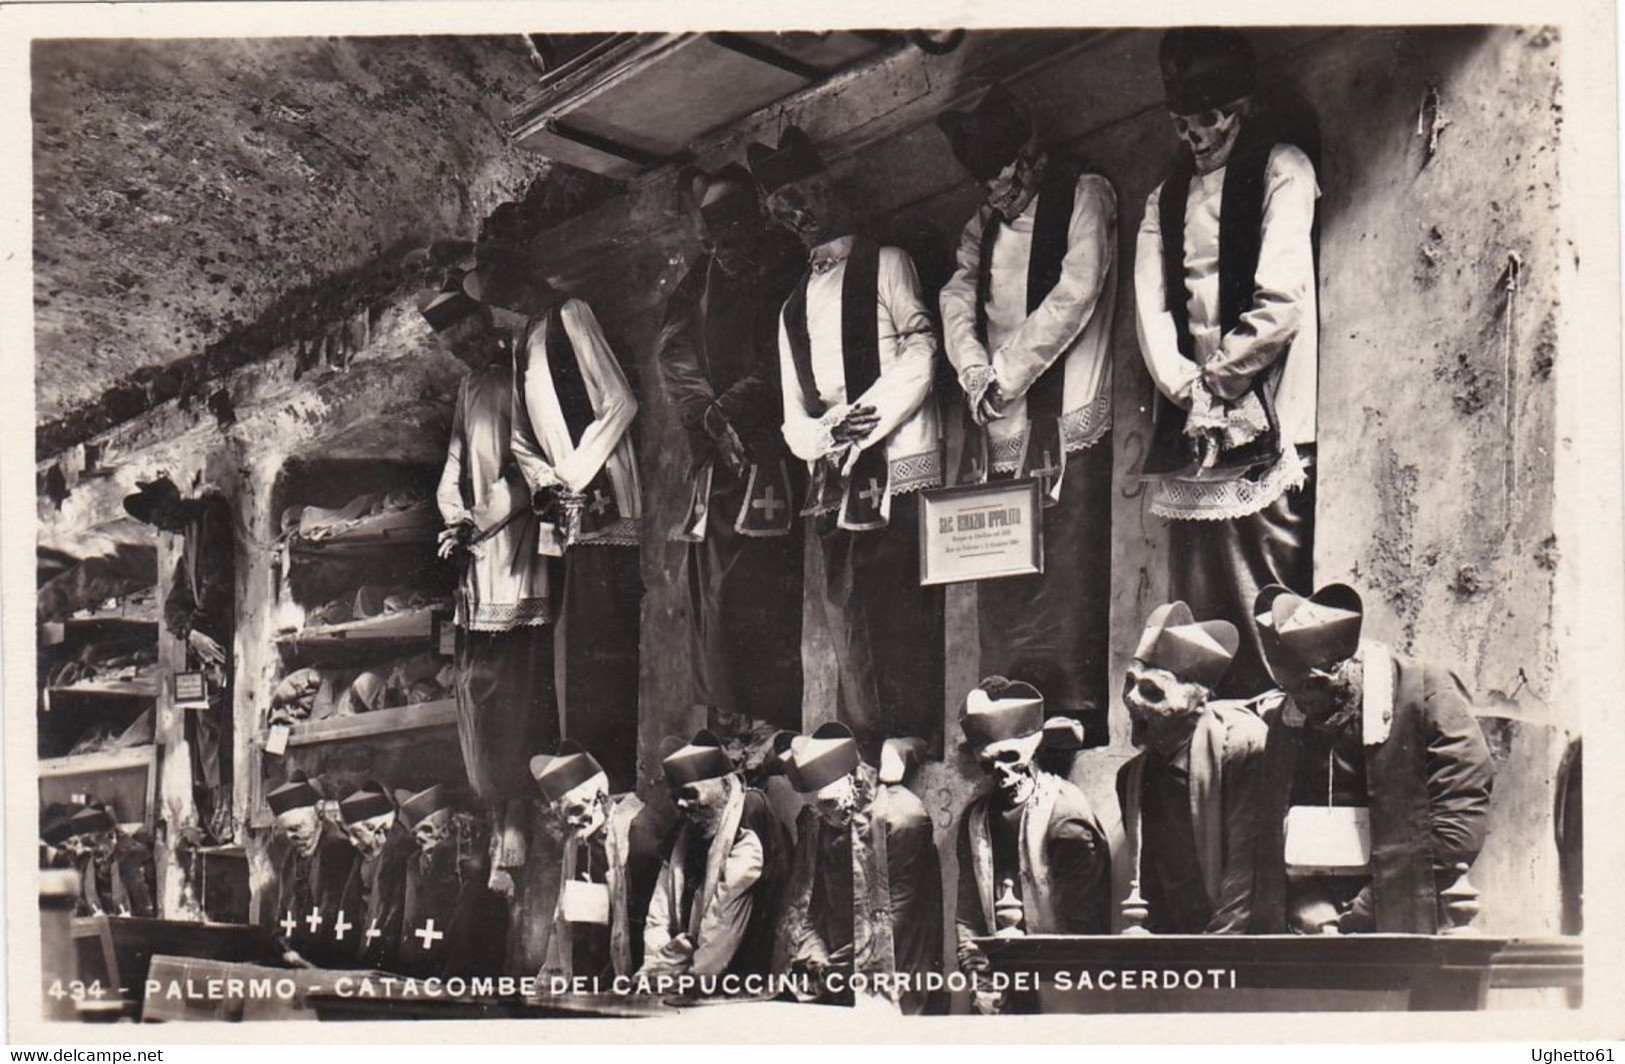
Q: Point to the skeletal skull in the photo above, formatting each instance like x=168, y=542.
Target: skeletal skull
x=1162, y=707
x=432, y=830
x=1013, y=188
x=472, y=340
x=1321, y=691
x=1211, y=134
x=1010, y=763
x=368, y=835
x=837, y=803
x=810, y=209
x=585, y=807
x=702, y=802
x=302, y=826
x=78, y=846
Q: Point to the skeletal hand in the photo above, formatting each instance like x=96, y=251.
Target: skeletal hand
x=731, y=449
x=205, y=647
x=453, y=539
x=990, y=407
x=858, y=423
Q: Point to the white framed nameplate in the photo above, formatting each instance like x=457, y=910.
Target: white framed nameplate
x=981, y=532
x=191, y=690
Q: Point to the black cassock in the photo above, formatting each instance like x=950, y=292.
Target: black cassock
x=120, y=884
x=202, y=597
x=375, y=900
x=452, y=923
x=309, y=896
x=719, y=362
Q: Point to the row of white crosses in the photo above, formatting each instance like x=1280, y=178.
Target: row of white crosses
x=427, y=932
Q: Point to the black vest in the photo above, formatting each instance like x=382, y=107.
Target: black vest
x=1241, y=218
x=860, y=362
x=575, y=404
x=1044, y=453
x=1056, y=198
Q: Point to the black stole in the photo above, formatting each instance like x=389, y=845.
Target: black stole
x=866, y=489
x=575, y=404
x=1057, y=196
x=738, y=326
x=1241, y=219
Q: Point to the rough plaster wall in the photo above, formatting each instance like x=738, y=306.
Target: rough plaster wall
x=183, y=189
x=1436, y=396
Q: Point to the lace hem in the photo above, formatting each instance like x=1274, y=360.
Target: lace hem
x=1080, y=429
x=915, y=471
x=1224, y=500
x=621, y=533
x=502, y=617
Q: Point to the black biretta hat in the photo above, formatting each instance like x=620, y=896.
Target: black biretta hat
x=448, y=306
x=793, y=160
x=986, y=136
x=1204, y=67
x=149, y=495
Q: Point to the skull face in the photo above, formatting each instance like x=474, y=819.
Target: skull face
x=702, y=802
x=79, y=846
x=584, y=808
x=1162, y=707
x=1320, y=691
x=473, y=340
x=432, y=830
x=809, y=208
x=368, y=835
x=837, y=803
x=1010, y=764
x=1014, y=187
x=302, y=826
x=1211, y=134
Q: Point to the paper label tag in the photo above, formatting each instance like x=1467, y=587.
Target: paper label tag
x=585, y=903
x=1328, y=840
x=191, y=690
x=445, y=637
x=276, y=742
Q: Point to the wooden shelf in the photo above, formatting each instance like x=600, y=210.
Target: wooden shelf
x=378, y=722
x=55, y=633
x=417, y=526
x=108, y=688
x=386, y=628
x=98, y=763
x=135, y=613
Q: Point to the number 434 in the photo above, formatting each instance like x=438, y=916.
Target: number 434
x=76, y=990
